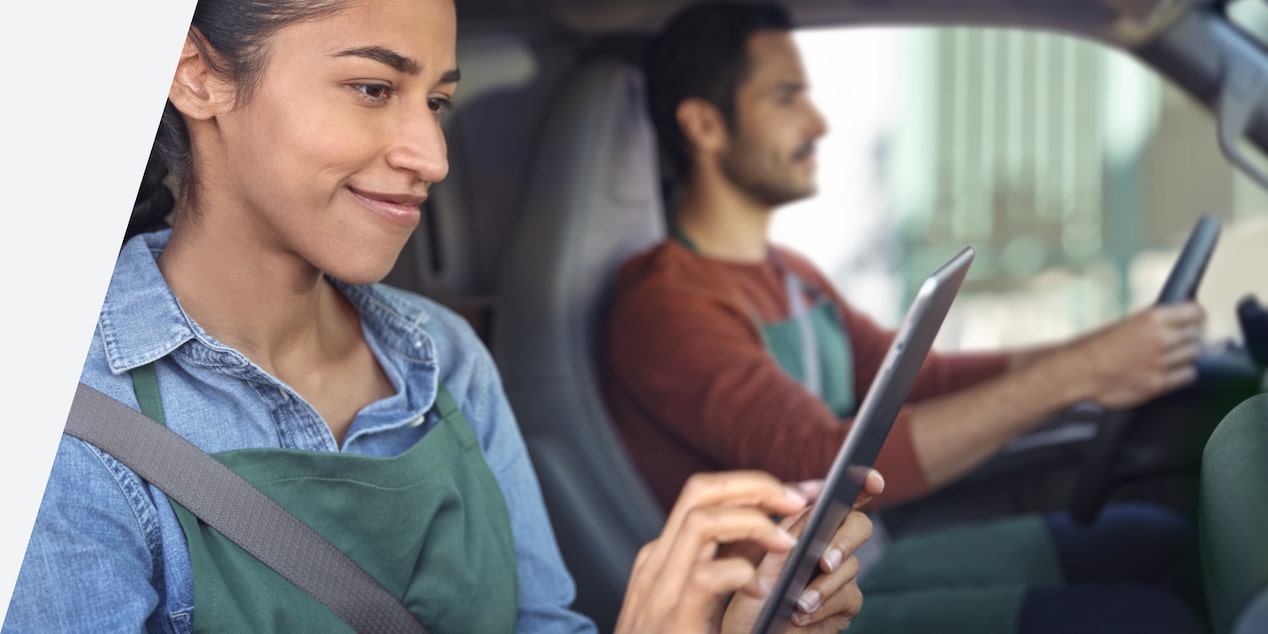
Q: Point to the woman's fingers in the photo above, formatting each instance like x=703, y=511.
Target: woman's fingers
x=735, y=488
x=700, y=598
x=855, y=530
x=838, y=608
x=679, y=581
x=873, y=485
x=752, y=489
x=675, y=566
x=704, y=528
x=829, y=602
x=835, y=591
x=692, y=606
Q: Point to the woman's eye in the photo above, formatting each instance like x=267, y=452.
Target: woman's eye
x=374, y=92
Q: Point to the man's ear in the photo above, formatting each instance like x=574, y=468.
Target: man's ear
x=702, y=125
x=196, y=91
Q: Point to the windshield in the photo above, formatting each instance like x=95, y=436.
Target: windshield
x=1074, y=171
x=1251, y=16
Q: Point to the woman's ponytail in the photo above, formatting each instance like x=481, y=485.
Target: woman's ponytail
x=154, y=200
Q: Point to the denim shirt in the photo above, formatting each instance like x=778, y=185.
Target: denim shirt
x=107, y=553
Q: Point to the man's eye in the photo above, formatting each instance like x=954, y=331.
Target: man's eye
x=439, y=105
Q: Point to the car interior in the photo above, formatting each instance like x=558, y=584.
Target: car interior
x=555, y=181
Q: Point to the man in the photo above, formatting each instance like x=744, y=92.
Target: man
x=726, y=352
x=691, y=380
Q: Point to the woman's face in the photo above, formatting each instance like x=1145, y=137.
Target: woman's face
x=333, y=152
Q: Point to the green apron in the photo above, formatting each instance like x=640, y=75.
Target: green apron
x=430, y=525
x=811, y=344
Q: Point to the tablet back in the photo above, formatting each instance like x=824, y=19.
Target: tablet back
x=863, y=443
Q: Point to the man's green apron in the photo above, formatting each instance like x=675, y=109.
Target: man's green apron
x=811, y=344
x=430, y=525
x=960, y=580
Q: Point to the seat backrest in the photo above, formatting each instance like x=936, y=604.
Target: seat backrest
x=1233, y=519
x=592, y=202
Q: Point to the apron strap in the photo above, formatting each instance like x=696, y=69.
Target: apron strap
x=229, y=504
x=145, y=385
x=800, y=311
x=678, y=234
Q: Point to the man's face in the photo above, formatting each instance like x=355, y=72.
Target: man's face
x=771, y=152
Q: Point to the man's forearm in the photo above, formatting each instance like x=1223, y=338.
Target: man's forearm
x=955, y=433
x=1121, y=365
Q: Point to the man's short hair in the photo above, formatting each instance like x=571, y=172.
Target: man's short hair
x=702, y=51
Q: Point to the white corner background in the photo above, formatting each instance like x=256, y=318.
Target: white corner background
x=84, y=82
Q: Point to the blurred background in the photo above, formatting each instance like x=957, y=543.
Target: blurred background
x=1073, y=171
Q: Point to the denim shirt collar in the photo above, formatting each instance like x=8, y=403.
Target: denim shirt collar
x=142, y=321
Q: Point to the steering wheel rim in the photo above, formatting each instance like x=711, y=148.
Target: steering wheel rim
x=1096, y=477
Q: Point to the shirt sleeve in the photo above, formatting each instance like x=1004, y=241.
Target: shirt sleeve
x=546, y=589
x=699, y=364
x=89, y=565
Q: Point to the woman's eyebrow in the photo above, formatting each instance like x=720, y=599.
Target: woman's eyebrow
x=386, y=56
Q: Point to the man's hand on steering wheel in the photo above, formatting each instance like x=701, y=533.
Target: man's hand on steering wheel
x=1142, y=357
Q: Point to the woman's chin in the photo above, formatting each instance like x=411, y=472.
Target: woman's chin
x=361, y=271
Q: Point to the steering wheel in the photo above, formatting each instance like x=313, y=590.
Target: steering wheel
x=1096, y=477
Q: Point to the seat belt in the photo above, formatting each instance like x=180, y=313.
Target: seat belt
x=231, y=505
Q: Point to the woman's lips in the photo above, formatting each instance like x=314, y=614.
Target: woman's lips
x=401, y=210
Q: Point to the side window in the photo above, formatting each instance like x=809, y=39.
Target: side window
x=1074, y=170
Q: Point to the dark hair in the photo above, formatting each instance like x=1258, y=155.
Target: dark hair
x=702, y=51
x=233, y=36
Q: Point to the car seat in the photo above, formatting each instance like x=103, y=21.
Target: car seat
x=1233, y=520
x=592, y=202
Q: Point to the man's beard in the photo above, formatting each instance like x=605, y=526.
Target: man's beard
x=763, y=175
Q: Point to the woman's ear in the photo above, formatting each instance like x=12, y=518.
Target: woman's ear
x=196, y=91
x=702, y=125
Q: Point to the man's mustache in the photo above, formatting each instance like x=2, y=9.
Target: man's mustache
x=805, y=151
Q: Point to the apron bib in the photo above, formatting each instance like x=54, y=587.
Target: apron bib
x=811, y=345
x=430, y=525
x=794, y=347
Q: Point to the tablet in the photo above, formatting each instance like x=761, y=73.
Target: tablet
x=871, y=426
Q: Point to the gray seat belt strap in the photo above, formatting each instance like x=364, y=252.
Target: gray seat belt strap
x=231, y=505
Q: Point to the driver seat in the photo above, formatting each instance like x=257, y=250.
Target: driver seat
x=1233, y=511
x=593, y=201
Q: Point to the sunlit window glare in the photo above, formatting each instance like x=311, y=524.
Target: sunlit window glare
x=1072, y=169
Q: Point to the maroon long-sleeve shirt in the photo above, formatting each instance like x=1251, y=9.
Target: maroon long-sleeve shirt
x=692, y=388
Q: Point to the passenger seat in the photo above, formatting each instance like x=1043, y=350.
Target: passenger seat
x=1233, y=520
x=592, y=202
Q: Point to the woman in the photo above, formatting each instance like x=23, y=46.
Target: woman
x=304, y=135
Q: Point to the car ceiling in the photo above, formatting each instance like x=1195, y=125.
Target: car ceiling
x=1179, y=38
x=1121, y=21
